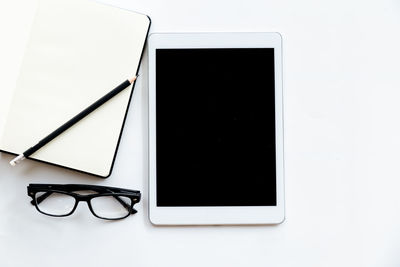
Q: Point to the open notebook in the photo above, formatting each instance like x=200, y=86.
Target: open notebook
x=78, y=51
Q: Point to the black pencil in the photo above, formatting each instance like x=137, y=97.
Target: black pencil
x=72, y=121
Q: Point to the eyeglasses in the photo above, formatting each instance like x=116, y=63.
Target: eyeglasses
x=60, y=200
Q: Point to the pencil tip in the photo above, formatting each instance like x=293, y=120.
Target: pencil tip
x=131, y=80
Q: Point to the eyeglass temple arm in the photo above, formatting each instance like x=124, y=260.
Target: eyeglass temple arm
x=123, y=203
x=41, y=198
x=126, y=206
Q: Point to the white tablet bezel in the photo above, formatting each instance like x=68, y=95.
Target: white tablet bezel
x=216, y=215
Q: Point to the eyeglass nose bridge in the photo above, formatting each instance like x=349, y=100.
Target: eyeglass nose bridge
x=84, y=198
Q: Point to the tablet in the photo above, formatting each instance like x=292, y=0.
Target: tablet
x=215, y=128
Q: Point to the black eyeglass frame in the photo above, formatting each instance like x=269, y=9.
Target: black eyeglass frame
x=68, y=189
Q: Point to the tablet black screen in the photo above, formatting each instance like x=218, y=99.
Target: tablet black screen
x=215, y=127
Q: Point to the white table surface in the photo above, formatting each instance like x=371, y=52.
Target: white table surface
x=342, y=143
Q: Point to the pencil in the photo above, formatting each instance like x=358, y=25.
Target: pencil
x=72, y=121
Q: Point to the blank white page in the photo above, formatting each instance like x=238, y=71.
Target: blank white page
x=77, y=52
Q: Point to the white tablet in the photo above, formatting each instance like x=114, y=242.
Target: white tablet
x=215, y=128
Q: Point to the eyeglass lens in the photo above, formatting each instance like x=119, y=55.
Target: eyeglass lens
x=111, y=207
x=57, y=204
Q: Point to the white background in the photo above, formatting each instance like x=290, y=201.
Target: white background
x=342, y=148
